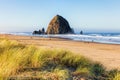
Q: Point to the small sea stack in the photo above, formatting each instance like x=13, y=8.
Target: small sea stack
x=41, y=31
x=59, y=25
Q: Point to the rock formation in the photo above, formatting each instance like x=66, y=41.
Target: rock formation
x=59, y=25
x=81, y=32
x=41, y=31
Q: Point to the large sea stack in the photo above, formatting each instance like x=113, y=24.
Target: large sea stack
x=59, y=25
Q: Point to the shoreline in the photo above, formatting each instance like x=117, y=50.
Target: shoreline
x=105, y=38
x=107, y=54
x=64, y=39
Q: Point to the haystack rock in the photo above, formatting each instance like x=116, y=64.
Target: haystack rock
x=59, y=25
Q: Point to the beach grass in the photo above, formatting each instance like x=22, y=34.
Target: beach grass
x=117, y=76
x=18, y=61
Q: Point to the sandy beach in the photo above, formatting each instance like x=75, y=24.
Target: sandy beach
x=107, y=54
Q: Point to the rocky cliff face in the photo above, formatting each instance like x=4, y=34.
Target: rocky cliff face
x=59, y=25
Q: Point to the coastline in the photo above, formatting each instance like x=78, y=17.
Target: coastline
x=107, y=54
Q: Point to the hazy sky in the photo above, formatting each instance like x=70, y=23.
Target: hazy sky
x=86, y=15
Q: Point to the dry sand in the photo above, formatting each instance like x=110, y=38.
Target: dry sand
x=107, y=54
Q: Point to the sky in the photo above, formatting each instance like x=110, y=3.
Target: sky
x=86, y=15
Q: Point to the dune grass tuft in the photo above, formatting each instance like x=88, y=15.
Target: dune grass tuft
x=117, y=76
x=19, y=61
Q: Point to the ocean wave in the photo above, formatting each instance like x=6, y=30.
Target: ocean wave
x=110, y=38
x=17, y=33
x=91, y=38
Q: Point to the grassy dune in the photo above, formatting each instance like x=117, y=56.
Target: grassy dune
x=18, y=61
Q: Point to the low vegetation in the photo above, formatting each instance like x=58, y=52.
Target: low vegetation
x=18, y=61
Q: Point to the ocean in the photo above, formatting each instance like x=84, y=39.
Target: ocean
x=108, y=38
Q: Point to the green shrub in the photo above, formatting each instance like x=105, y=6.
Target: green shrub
x=97, y=69
x=112, y=73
